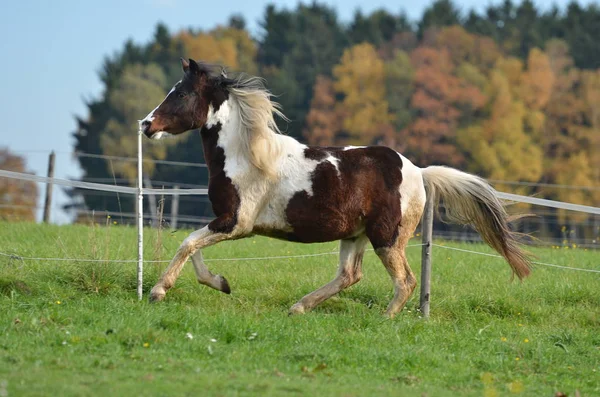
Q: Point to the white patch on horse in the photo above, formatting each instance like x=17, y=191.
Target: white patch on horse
x=353, y=147
x=412, y=189
x=221, y=116
x=294, y=176
x=335, y=161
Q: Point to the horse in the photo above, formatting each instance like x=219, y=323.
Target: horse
x=267, y=183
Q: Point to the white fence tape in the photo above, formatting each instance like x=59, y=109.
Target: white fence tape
x=549, y=203
x=203, y=192
x=98, y=186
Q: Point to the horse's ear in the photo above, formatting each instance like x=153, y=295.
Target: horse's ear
x=194, y=68
x=185, y=65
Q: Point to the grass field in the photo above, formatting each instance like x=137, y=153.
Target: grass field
x=76, y=328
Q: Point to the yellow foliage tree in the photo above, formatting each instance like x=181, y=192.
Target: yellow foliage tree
x=500, y=147
x=209, y=48
x=360, y=77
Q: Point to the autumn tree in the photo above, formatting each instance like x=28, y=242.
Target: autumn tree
x=399, y=87
x=18, y=199
x=441, y=101
x=323, y=122
x=500, y=147
x=360, y=79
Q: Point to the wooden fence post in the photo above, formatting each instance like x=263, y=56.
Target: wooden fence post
x=174, y=208
x=49, y=186
x=427, y=231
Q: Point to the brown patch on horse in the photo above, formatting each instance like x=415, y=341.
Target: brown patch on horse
x=361, y=192
x=223, y=195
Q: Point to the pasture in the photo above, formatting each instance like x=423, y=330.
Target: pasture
x=76, y=328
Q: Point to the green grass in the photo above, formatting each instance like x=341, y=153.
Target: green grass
x=76, y=328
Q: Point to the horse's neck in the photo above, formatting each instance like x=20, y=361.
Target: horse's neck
x=223, y=148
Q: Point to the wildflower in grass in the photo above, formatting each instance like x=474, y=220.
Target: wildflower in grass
x=146, y=344
x=213, y=340
x=520, y=325
x=517, y=358
x=189, y=335
x=503, y=339
x=58, y=302
x=516, y=387
x=253, y=336
x=526, y=340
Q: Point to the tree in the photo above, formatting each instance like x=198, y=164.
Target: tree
x=377, y=28
x=399, y=88
x=441, y=102
x=18, y=199
x=323, y=122
x=360, y=78
x=296, y=48
x=439, y=14
x=139, y=91
x=500, y=147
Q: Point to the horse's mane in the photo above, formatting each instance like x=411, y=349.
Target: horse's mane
x=259, y=129
x=257, y=118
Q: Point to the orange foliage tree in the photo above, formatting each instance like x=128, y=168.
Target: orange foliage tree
x=18, y=199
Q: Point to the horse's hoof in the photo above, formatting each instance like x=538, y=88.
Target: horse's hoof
x=157, y=294
x=224, y=285
x=298, y=308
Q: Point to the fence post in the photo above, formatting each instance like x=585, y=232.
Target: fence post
x=140, y=221
x=49, y=186
x=427, y=231
x=174, y=208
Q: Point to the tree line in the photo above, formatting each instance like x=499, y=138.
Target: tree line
x=512, y=93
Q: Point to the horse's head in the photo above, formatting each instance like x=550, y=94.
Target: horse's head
x=186, y=105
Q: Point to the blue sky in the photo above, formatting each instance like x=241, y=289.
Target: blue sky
x=52, y=50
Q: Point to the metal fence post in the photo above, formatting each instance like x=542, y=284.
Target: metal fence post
x=427, y=231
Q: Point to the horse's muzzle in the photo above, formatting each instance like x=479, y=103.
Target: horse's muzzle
x=145, y=127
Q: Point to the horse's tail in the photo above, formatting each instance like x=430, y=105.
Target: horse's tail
x=471, y=200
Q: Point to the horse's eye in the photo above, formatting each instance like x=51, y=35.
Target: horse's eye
x=181, y=94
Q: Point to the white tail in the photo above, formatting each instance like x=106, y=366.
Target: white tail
x=470, y=200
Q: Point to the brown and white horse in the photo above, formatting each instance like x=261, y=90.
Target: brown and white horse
x=262, y=182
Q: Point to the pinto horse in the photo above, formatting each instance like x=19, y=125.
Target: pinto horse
x=266, y=183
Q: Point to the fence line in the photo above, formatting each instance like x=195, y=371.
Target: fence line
x=134, y=160
x=98, y=186
x=257, y=258
x=549, y=203
x=499, y=256
x=203, y=165
x=251, y=258
x=131, y=190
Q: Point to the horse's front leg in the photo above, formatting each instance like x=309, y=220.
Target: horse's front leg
x=195, y=241
x=205, y=277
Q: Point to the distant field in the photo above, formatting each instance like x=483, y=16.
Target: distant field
x=76, y=328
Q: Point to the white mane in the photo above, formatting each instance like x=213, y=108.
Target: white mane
x=258, y=131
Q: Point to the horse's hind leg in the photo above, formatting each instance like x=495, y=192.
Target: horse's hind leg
x=394, y=260
x=349, y=273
